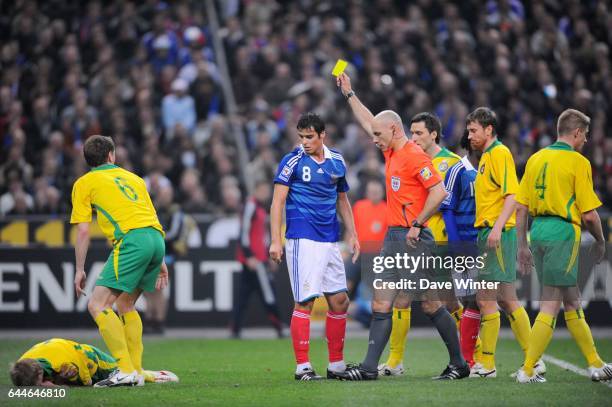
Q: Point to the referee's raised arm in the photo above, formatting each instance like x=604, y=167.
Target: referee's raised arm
x=362, y=113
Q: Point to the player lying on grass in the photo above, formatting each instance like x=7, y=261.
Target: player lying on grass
x=63, y=362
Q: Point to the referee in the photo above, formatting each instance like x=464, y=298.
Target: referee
x=414, y=193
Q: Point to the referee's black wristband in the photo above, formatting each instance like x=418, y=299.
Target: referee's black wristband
x=349, y=95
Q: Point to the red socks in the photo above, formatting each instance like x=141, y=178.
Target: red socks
x=300, y=334
x=335, y=330
x=470, y=324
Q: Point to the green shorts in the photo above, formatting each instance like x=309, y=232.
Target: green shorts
x=555, y=244
x=135, y=261
x=500, y=264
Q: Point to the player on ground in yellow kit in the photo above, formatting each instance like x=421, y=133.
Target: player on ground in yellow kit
x=495, y=186
x=557, y=191
x=127, y=217
x=426, y=129
x=63, y=362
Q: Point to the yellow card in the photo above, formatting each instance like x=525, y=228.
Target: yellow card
x=340, y=67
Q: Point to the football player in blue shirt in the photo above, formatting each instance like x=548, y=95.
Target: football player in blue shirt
x=459, y=213
x=311, y=183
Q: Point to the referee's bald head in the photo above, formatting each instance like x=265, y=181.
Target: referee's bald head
x=389, y=116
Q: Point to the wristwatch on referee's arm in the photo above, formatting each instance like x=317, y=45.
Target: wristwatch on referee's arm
x=416, y=224
x=349, y=95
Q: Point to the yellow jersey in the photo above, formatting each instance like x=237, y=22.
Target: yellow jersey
x=92, y=364
x=120, y=199
x=558, y=182
x=441, y=163
x=495, y=180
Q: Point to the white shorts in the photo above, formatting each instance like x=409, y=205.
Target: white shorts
x=470, y=276
x=315, y=268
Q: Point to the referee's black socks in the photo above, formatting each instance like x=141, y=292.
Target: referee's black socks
x=380, y=330
x=447, y=328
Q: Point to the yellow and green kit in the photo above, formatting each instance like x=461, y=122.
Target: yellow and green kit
x=91, y=363
x=496, y=179
x=127, y=217
x=557, y=188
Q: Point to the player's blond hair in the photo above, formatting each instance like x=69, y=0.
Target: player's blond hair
x=570, y=120
x=25, y=372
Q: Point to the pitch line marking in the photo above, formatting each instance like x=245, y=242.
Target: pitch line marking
x=572, y=368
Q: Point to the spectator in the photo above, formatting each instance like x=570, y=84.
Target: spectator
x=16, y=201
x=89, y=67
x=178, y=109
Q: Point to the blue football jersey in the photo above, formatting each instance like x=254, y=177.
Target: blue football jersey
x=313, y=193
x=459, y=183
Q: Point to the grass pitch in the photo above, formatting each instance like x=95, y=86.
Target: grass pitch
x=260, y=372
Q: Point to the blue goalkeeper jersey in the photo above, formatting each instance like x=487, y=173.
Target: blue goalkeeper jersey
x=460, y=202
x=313, y=193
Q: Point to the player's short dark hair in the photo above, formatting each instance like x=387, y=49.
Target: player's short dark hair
x=25, y=372
x=485, y=117
x=311, y=120
x=96, y=149
x=570, y=120
x=432, y=123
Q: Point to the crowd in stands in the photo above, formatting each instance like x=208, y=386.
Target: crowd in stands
x=147, y=74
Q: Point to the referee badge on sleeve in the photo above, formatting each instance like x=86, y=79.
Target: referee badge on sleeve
x=425, y=173
x=395, y=183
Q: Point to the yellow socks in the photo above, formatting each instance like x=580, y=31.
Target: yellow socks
x=540, y=337
x=397, y=342
x=111, y=329
x=458, y=314
x=132, y=326
x=489, y=331
x=519, y=322
x=478, y=350
x=581, y=333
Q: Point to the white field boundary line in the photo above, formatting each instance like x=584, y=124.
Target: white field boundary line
x=572, y=368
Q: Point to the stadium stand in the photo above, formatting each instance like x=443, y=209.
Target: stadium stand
x=147, y=75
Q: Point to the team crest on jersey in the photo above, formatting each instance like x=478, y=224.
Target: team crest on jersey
x=425, y=173
x=395, y=183
x=482, y=169
x=285, y=173
x=443, y=166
